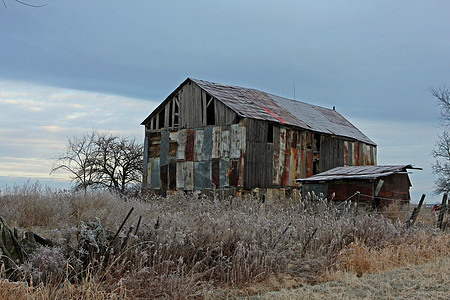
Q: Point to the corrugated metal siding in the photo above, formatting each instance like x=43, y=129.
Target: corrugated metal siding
x=221, y=151
x=258, y=165
x=357, y=154
x=198, y=158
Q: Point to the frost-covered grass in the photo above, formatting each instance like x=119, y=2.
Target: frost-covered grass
x=194, y=246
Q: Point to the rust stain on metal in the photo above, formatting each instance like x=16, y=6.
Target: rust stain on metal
x=274, y=115
x=346, y=154
x=294, y=138
x=308, y=163
x=285, y=179
x=190, y=141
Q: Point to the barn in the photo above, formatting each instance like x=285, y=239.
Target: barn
x=377, y=185
x=207, y=135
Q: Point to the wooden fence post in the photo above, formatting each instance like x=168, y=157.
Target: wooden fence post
x=415, y=212
x=442, y=211
x=357, y=203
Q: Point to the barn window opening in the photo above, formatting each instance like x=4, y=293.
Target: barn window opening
x=270, y=133
x=315, y=167
x=176, y=114
x=210, y=112
x=161, y=118
x=317, y=142
x=170, y=114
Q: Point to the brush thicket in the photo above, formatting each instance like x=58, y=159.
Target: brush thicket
x=188, y=245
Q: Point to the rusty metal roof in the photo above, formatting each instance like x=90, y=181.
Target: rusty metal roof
x=357, y=172
x=252, y=103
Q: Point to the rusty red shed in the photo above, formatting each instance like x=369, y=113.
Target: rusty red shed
x=378, y=185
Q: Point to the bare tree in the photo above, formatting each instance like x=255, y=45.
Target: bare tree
x=441, y=151
x=102, y=160
x=79, y=160
x=119, y=162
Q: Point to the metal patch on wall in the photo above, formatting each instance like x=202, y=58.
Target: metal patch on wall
x=182, y=136
x=164, y=174
x=224, y=165
x=164, y=148
x=216, y=138
x=202, y=175
x=172, y=174
x=155, y=178
x=198, y=145
x=276, y=155
x=181, y=174
x=225, y=144
x=207, y=143
x=190, y=141
x=215, y=173
x=173, y=137
x=281, y=156
x=236, y=137
x=189, y=179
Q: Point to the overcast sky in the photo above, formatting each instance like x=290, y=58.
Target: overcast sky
x=73, y=66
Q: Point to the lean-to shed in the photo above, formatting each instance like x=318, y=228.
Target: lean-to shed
x=206, y=135
x=378, y=185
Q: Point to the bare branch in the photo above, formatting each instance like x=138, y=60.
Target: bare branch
x=25, y=3
x=31, y=5
x=442, y=96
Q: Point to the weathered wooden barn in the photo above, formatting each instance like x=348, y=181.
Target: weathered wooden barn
x=377, y=185
x=207, y=135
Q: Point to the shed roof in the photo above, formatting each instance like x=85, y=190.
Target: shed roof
x=252, y=103
x=357, y=172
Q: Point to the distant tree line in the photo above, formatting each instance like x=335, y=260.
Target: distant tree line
x=102, y=160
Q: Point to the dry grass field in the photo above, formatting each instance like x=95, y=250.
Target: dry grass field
x=190, y=246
